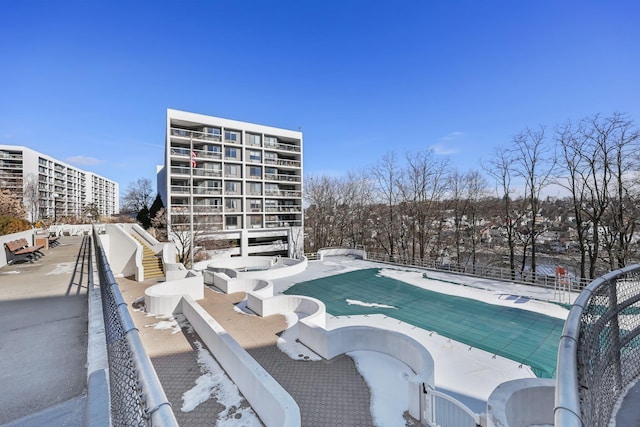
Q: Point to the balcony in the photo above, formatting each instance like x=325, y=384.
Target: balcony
x=283, y=162
x=284, y=209
x=282, y=177
x=283, y=147
x=283, y=193
x=194, y=134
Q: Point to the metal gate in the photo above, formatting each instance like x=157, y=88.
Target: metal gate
x=442, y=410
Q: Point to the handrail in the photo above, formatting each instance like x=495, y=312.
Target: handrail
x=137, y=397
x=594, y=363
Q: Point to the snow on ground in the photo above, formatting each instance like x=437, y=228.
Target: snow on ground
x=288, y=343
x=215, y=383
x=388, y=380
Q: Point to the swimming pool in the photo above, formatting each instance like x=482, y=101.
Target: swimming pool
x=523, y=336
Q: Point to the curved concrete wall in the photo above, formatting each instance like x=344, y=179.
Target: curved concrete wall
x=164, y=298
x=123, y=252
x=312, y=310
x=360, y=253
x=329, y=344
x=274, y=406
x=522, y=403
x=270, y=267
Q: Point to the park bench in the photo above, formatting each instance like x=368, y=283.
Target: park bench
x=54, y=241
x=19, y=250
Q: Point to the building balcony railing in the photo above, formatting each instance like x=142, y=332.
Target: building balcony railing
x=184, y=133
x=282, y=177
x=285, y=209
x=283, y=162
x=279, y=224
x=283, y=193
x=284, y=147
x=185, y=152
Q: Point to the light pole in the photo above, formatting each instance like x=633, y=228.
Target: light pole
x=55, y=208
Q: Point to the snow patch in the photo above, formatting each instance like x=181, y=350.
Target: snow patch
x=288, y=341
x=388, y=380
x=215, y=383
x=368, y=304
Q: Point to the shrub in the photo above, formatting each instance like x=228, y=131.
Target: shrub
x=11, y=224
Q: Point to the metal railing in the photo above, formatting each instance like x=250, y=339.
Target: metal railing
x=599, y=352
x=570, y=284
x=137, y=398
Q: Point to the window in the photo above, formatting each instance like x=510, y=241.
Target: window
x=230, y=152
x=255, y=205
x=255, y=172
x=231, y=136
x=213, y=150
x=253, y=139
x=232, y=204
x=212, y=133
x=231, y=221
x=231, y=187
x=270, y=141
x=255, y=221
x=231, y=170
x=271, y=188
x=255, y=188
x=255, y=156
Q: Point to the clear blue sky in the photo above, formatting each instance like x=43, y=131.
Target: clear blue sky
x=89, y=82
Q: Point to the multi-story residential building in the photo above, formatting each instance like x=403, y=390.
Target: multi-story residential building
x=52, y=189
x=236, y=185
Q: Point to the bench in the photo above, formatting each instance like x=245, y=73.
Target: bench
x=54, y=241
x=17, y=251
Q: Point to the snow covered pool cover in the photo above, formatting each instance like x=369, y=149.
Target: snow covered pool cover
x=523, y=336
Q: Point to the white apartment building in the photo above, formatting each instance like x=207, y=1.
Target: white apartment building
x=237, y=185
x=52, y=189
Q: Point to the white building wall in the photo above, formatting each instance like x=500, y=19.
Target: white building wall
x=64, y=190
x=243, y=180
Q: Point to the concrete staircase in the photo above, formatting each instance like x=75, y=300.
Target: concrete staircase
x=151, y=263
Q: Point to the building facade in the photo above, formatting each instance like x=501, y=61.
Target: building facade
x=234, y=186
x=51, y=189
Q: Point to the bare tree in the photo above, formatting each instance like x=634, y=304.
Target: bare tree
x=386, y=174
x=321, y=193
x=139, y=196
x=31, y=196
x=535, y=163
x=500, y=167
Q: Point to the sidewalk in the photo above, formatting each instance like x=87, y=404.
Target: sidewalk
x=43, y=340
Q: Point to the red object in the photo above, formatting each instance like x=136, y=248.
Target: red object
x=194, y=164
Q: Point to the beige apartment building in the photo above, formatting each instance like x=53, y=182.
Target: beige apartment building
x=234, y=184
x=52, y=189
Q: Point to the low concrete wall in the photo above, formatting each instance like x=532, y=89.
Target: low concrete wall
x=268, y=268
x=274, y=406
x=27, y=234
x=164, y=298
x=230, y=285
x=358, y=253
x=522, y=403
x=312, y=310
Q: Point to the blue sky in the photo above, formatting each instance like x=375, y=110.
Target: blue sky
x=89, y=82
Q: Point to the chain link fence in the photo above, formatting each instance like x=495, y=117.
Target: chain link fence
x=137, y=398
x=599, y=353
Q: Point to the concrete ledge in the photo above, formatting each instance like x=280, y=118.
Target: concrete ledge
x=164, y=298
x=358, y=253
x=257, y=267
x=521, y=403
x=274, y=406
x=312, y=310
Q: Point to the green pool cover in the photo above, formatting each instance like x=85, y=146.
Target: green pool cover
x=520, y=335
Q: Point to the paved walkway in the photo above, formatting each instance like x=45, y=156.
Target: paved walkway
x=328, y=392
x=43, y=340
